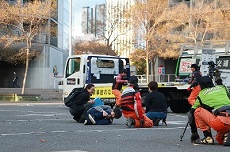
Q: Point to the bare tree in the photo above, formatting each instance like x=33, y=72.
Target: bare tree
x=155, y=22
x=93, y=47
x=111, y=24
x=27, y=19
x=138, y=60
x=202, y=21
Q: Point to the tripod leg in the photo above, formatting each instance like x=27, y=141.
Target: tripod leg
x=181, y=136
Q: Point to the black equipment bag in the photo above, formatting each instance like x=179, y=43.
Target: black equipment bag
x=69, y=100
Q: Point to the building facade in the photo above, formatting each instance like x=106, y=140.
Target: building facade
x=53, y=51
x=93, y=20
x=119, y=28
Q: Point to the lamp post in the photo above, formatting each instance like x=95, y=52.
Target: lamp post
x=70, y=30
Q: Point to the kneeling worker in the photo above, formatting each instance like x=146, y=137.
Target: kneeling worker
x=156, y=104
x=212, y=110
x=131, y=105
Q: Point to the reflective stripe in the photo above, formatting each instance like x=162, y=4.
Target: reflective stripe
x=135, y=107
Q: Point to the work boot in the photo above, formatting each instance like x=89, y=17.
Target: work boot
x=156, y=122
x=227, y=139
x=207, y=138
x=130, y=123
x=164, y=121
x=194, y=137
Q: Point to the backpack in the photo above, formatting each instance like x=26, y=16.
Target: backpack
x=70, y=99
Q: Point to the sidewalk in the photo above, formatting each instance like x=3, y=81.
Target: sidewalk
x=29, y=103
x=42, y=95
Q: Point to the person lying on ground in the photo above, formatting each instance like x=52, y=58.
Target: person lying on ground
x=102, y=115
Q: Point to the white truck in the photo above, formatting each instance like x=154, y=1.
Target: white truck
x=100, y=70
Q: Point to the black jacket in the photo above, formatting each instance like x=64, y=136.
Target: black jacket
x=196, y=75
x=80, y=100
x=156, y=102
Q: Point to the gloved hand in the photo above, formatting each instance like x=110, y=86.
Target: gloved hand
x=142, y=122
x=189, y=89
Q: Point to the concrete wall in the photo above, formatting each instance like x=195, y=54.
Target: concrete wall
x=40, y=73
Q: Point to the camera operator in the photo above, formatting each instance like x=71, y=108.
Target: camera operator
x=214, y=73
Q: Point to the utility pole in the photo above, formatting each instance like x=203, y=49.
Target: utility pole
x=70, y=30
x=95, y=22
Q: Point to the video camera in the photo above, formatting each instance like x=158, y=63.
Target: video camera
x=212, y=70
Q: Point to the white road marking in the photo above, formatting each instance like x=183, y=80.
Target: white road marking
x=32, y=104
x=176, y=122
x=90, y=131
x=184, y=116
x=22, y=120
x=71, y=151
x=45, y=115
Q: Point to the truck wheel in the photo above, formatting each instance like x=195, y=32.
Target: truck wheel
x=179, y=106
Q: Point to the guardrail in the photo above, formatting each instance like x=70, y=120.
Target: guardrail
x=157, y=78
x=58, y=83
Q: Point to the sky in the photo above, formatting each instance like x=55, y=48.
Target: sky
x=79, y=4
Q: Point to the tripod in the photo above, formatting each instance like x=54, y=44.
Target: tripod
x=181, y=136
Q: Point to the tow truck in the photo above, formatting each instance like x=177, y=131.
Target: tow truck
x=100, y=70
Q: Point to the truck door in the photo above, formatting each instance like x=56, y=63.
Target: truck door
x=73, y=74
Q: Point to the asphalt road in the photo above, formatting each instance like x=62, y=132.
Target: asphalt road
x=48, y=127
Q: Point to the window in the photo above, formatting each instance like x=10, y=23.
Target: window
x=105, y=63
x=53, y=33
x=73, y=66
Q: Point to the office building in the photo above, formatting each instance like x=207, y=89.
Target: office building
x=53, y=49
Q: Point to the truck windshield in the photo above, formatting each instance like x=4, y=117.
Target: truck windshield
x=73, y=65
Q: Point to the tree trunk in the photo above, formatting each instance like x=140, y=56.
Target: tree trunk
x=153, y=61
x=107, y=44
x=147, y=62
x=27, y=66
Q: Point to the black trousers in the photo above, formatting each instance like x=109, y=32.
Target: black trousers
x=80, y=115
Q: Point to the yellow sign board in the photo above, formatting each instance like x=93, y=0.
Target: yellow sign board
x=104, y=92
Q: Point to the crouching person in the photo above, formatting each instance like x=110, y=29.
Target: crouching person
x=156, y=104
x=82, y=103
x=102, y=115
x=131, y=105
x=212, y=110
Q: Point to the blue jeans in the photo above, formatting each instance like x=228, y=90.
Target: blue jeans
x=156, y=115
x=98, y=117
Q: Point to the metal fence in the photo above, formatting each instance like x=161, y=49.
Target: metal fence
x=58, y=81
x=157, y=78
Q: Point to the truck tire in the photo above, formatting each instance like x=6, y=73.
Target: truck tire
x=180, y=106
